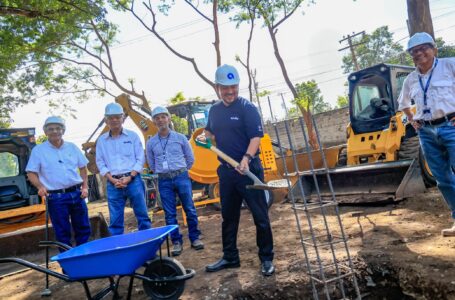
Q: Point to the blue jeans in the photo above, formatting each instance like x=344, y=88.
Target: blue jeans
x=66, y=207
x=116, y=199
x=168, y=188
x=438, y=144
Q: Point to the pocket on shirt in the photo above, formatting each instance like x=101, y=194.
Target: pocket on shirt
x=443, y=88
x=127, y=149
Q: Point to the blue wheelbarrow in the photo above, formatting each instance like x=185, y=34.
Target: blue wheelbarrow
x=120, y=256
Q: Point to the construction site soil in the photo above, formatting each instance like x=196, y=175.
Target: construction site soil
x=397, y=251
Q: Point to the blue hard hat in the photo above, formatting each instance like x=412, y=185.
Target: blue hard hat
x=420, y=38
x=227, y=75
x=159, y=110
x=113, y=109
x=54, y=120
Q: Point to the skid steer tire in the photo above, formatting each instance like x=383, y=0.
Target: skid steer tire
x=428, y=178
x=342, y=157
x=410, y=148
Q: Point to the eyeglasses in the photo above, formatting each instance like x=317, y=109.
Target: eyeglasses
x=57, y=128
x=421, y=48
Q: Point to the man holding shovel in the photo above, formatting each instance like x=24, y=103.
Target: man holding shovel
x=236, y=125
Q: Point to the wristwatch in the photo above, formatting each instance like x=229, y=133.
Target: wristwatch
x=249, y=156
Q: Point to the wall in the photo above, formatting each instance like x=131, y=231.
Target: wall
x=331, y=125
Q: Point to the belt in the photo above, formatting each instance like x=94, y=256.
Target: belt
x=118, y=176
x=171, y=174
x=66, y=190
x=438, y=121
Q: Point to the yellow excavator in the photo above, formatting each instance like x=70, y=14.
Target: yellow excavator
x=382, y=159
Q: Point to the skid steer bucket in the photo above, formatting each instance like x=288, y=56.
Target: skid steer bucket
x=378, y=182
x=23, y=243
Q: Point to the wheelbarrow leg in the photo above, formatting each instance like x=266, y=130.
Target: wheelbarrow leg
x=130, y=288
x=46, y=292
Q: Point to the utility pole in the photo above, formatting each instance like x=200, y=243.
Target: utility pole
x=419, y=17
x=352, y=47
x=256, y=92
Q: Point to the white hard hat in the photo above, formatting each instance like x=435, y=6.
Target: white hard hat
x=113, y=109
x=54, y=120
x=420, y=38
x=159, y=110
x=227, y=75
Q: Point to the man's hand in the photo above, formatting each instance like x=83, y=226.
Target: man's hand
x=126, y=180
x=84, y=192
x=202, y=138
x=42, y=192
x=243, y=166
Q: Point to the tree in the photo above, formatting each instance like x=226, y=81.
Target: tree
x=309, y=97
x=33, y=34
x=444, y=50
x=419, y=17
x=179, y=97
x=375, y=48
x=342, y=101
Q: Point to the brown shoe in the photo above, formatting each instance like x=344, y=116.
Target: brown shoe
x=449, y=231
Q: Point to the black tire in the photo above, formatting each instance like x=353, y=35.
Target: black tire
x=342, y=157
x=164, y=267
x=214, y=190
x=409, y=149
x=428, y=178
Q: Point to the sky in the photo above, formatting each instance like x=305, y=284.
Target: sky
x=308, y=42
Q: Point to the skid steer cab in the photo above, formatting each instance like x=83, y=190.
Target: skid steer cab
x=20, y=205
x=382, y=159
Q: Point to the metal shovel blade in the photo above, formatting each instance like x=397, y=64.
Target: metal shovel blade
x=271, y=185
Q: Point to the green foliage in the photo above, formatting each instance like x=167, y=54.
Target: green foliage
x=179, y=97
x=41, y=139
x=444, y=50
x=9, y=165
x=180, y=124
x=309, y=97
x=376, y=48
x=342, y=101
x=41, y=43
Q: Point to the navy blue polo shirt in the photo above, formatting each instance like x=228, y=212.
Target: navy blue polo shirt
x=234, y=126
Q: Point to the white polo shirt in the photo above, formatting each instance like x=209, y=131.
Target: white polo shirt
x=57, y=168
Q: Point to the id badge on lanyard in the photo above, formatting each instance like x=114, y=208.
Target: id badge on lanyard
x=427, y=110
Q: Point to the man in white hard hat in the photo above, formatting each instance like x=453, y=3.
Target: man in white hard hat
x=53, y=169
x=169, y=155
x=120, y=158
x=432, y=88
x=235, y=123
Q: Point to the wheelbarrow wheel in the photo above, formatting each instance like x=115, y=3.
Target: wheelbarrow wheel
x=160, y=268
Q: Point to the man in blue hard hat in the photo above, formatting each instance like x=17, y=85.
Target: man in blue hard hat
x=169, y=155
x=120, y=158
x=431, y=86
x=53, y=169
x=235, y=124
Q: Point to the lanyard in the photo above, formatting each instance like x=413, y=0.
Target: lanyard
x=425, y=89
x=165, y=145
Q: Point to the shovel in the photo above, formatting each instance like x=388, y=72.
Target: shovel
x=258, y=184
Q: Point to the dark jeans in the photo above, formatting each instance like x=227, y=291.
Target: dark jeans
x=116, y=199
x=181, y=185
x=66, y=207
x=232, y=192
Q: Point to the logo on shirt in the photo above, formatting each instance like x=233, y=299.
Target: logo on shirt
x=127, y=142
x=260, y=128
x=235, y=118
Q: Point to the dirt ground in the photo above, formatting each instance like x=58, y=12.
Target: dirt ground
x=397, y=250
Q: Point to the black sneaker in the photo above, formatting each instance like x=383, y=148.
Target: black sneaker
x=177, y=249
x=267, y=268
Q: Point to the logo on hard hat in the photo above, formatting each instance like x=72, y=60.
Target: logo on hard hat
x=230, y=76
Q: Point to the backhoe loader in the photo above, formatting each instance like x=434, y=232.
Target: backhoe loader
x=382, y=159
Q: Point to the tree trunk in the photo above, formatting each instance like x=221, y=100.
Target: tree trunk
x=419, y=17
x=217, y=33
x=312, y=139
